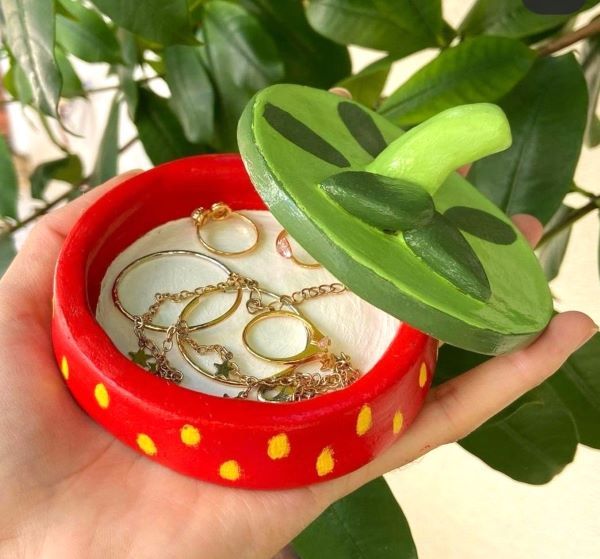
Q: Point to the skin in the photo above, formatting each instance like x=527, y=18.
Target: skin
x=69, y=489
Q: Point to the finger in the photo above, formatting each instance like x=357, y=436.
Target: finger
x=341, y=91
x=27, y=284
x=531, y=227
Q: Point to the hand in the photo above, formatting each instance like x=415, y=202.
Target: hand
x=69, y=489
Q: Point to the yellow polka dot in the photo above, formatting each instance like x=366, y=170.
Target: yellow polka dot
x=64, y=368
x=397, y=422
x=364, y=421
x=101, y=395
x=422, y=375
x=146, y=444
x=230, y=470
x=325, y=462
x=190, y=435
x=279, y=447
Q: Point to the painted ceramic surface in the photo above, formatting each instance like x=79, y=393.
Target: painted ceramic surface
x=227, y=441
x=503, y=305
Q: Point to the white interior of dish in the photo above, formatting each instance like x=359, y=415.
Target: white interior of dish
x=354, y=326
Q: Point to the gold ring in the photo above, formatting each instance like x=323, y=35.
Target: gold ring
x=159, y=327
x=284, y=248
x=212, y=376
x=220, y=212
x=316, y=342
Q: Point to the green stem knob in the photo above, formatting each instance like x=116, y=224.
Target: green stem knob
x=428, y=153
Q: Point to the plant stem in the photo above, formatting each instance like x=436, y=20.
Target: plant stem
x=52, y=203
x=592, y=28
x=574, y=216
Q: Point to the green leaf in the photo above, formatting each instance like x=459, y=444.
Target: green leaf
x=9, y=184
x=577, y=384
x=481, y=225
x=367, y=524
x=84, y=34
x=590, y=62
x=71, y=84
x=480, y=69
x=510, y=18
x=531, y=441
x=553, y=252
x=159, y=131
x=547, y=114
x=442, y=246
x=385, y=203
x=7, y=253
x=16, y=83
x=367, y=85
x=129, y=53
x=309, y=58
x=29, y=34
x=239, y=66
x=163, y=21
x=400, y=27
x=192, y=97
x=108, y=152
x=66, y=169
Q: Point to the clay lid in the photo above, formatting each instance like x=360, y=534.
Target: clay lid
x=384, y=211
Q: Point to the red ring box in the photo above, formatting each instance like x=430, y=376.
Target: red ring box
x=241, y=443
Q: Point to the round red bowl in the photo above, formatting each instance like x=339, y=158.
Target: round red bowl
x=233, y=442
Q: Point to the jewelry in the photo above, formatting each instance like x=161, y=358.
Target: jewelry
x=284, y=248
x=219, y=212
x=316, y=342
x=160, y=298
x=227, y=366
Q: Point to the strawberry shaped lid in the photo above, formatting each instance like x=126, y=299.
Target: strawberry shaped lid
x=385, y=212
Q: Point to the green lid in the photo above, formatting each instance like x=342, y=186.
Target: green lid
x=384, y=212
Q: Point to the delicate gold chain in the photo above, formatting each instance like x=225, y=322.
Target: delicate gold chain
x=291, y=384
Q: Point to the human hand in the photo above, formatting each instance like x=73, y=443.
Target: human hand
x=69, y=489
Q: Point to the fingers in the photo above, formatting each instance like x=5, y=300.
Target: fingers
x=531, y=228
x=27, y=284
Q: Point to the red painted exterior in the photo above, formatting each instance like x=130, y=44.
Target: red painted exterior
x=132, y=402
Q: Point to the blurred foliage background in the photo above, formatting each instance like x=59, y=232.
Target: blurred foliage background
x=185, y=69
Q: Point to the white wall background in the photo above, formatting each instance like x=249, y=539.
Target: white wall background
x=457, y=506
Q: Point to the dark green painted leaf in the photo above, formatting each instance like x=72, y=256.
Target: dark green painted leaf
x=400, y=27
x=9, y=184
x=16, y=83
x=388, y=204
x=302, y=136
x=163, y=21
x=367, y=524
x=531, y=441
x=66, y=169
x=29, y=34
x=84, y=34
x=108, y=152
x=482, y=225
x=239, y=68
x=441, y=245
x=552, y=253
x=367, y=85
x=309, y=58
x=71, y=84
x=590, y=61
x=547, y=124
x=192, y=97
x=480, y=69
x=159, y=131
x=577, y=384
x=7, y=253
x=510, y=18
x=362, y=128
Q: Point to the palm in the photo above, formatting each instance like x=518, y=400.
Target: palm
x=69, y=487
